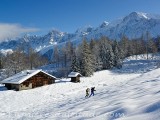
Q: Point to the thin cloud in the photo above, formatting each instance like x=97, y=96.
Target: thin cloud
x=10, y=31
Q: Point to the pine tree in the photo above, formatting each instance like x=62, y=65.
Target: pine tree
x=106, y=53
x=64, y=57
x=110, y=57
x=124, y=44
x=56, y=56
x=135, y=47
x=74, y=64
x=86, y=63
x=94, y=46
x=1, y=61
x=141, y=45
x=152, y=47
x=147, y=43
x=70, y=50
x=117, y=57
x=158, y=43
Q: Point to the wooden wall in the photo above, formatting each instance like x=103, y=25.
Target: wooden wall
x=38, y=80
x=75, y=79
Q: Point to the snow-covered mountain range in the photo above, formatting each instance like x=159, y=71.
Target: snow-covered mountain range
x=133, y=26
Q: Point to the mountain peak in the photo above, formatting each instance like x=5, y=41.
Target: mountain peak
x=84, y=29
x=55, y=32
x=143, y=15
x=138, y=15
x=104, y=24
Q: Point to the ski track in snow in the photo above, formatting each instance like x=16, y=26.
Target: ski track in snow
x=119, y=95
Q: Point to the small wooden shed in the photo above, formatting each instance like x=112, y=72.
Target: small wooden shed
x=75, y=76
x=28, y=79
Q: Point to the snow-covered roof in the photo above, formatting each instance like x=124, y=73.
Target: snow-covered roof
x=74, y=74
x=23, y=76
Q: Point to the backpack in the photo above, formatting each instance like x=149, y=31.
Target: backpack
x=87, y=90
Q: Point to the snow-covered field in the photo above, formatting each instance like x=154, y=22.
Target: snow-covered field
x=130, y=93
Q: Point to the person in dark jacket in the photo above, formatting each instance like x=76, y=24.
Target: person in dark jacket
x=92, y=91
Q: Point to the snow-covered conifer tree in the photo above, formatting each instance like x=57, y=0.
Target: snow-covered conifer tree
x=87, y=63
x=117, y=57
x=106, y=53
x=74, y=64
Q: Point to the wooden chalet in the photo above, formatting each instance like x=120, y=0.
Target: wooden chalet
x=75, y=76
x=28, y=79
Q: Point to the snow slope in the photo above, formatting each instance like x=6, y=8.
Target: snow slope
x=119, y=95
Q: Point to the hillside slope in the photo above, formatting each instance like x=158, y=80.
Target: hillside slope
x=127, y=94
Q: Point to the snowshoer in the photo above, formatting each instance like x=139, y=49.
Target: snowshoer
x=92, y=91
x=87, y=92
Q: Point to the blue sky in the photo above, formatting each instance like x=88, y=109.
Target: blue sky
x=67, y=15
